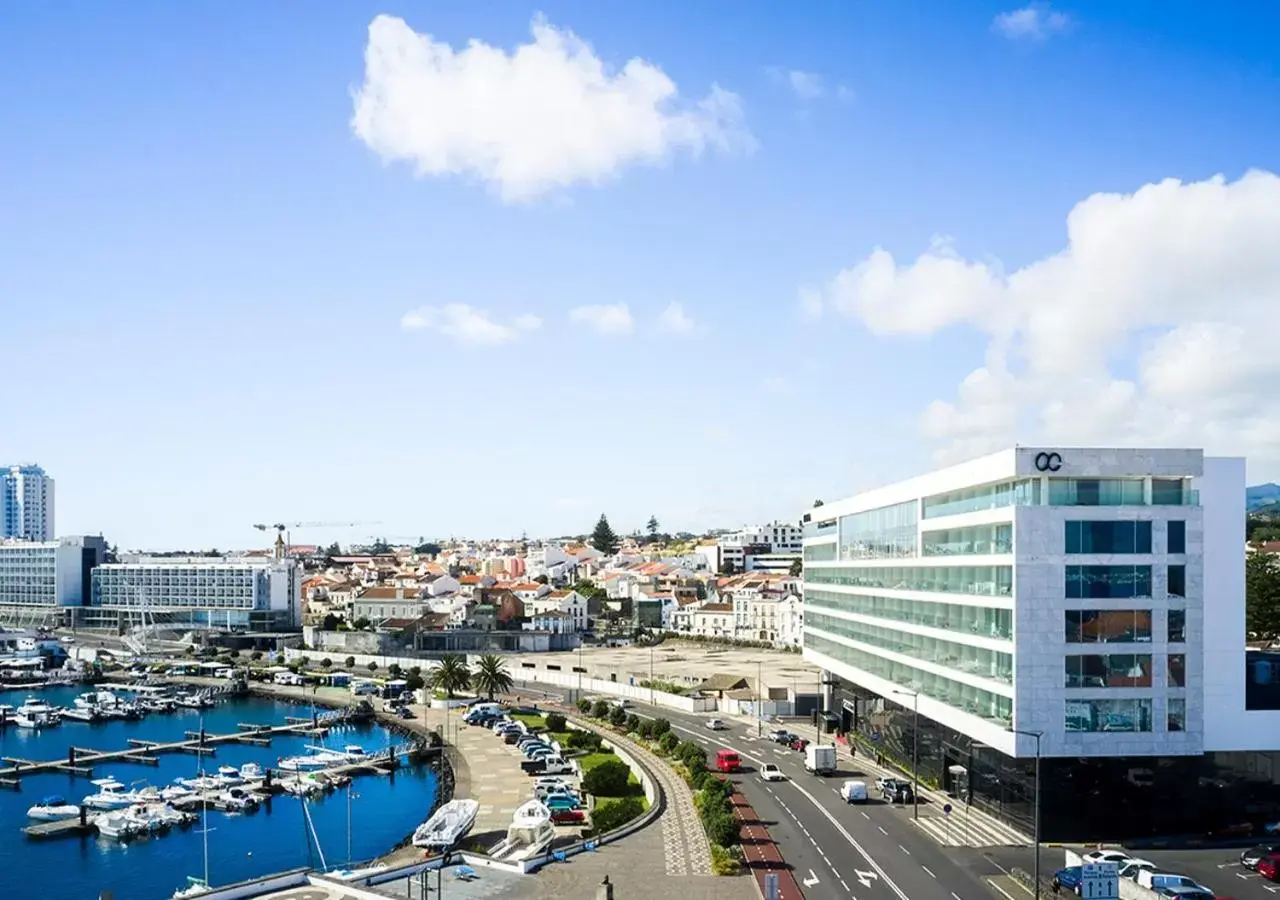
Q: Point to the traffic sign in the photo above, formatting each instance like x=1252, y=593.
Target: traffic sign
x=771, y=891
x=1100, y=881
x=946, y=809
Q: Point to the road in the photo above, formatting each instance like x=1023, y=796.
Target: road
x=837, y=850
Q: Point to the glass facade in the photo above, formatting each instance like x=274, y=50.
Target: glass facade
x=818, y=529
x=1172, y=492
x=1177, y=536
x=985, y=704
x=989, y=581
x=1177, y=581
x=28, y=575
x=978, y=540
x=820, y=552
x=991, y=496
x=1109, y=715
x=1112, y=670
x=1175, y=714
x=1113, y=626
x=1177, y=626
x=1108, y=582
x=977, y=620
x=961, y=657
x=1108, y=537
x=1096, y=492
x=885, y=533
x=1177, y=670
x=180, y=587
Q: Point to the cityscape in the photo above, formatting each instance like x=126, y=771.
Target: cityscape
x=966, y=588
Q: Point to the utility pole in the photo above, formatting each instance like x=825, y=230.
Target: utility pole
x=759, y=698
x=915, y=752
x=1036, y=823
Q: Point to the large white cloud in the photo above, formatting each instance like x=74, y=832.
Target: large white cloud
x=467, y=325
x=605, y=318
x=1156, y=324
x=547, y=115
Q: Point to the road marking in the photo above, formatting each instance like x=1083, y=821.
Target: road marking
x=882, y=831
x=843, y=884
x=865, y=878
x=1242, y=877
x=954, y=894
x=865, y=816
x=906, y=851
x=1007, y=895
x=811, y=880
x=927, y=872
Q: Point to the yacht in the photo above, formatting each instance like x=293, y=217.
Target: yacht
x=228, y=776
x=35, y=713
x=52, y=809
x=531, y=832
x=111, y=795
x=252, y=772
x=300, y=787
x=348, y=754
x=175, y=792
x=192, y=701
x=238, y=800
x=202, y=783
x=118, y=825
x=81, y=714
x=310, y=763
x=450, y=824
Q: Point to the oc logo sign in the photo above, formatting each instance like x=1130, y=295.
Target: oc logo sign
x=1048, y=462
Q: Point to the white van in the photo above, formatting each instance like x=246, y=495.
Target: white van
x=854, y=791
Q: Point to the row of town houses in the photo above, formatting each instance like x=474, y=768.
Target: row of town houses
x=518, y=586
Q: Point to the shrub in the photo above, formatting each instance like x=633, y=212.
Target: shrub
x=326, y=663
x=599, y=710
x=646, y=729
x=693, y=756
x=661, y=727
x=584, y=707
x=618, y=717
x=584, y=740
x=614, y=815
x=697, y=778
x=721, y=828
x=350, y=662
x=723, y=862
x=668, y=743
x=255, y=655
x=556, y=722
x=633, y=723
x=373, y=666
x=609, y=779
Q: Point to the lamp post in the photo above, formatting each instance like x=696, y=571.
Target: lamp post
x=759, y=698
x=579, y=668
x=651, y=675
x=915, y=751
x=1036, y=813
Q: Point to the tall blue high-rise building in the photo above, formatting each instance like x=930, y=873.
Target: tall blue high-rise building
x=26, y=504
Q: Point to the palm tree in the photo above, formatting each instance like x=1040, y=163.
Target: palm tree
x=451, y=675
x=492, y=676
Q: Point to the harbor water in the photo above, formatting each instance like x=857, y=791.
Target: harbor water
x=383, y=811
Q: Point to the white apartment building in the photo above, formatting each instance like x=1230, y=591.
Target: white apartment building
x=567, y=602
x=252, y=594
x=47, y=574
x=772, y=548
x=26, y=504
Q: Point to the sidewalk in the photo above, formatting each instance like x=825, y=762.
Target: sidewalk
x=761, y=854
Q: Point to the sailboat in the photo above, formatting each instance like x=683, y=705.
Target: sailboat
x=197, y=887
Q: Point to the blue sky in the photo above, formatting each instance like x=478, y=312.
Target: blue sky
x=205, y=271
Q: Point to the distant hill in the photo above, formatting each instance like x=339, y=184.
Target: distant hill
x=1262, y=498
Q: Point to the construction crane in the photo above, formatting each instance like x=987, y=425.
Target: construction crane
x=282, y=530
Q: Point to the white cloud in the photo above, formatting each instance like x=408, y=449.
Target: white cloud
x=547, y=115
x=467, y=325
x=612, y=319
x=807, y=86
x=1154, y=325
x=674, y=320
x=1035, y=22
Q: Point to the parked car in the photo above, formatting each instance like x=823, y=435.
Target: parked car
x=798, y=743
x=1185, y=893
x=896, y=790
x=1106, y=856
x=781, y=736
x=1157, y=880
x=1254, y=855
x=1132, y=867
x=1068, y=879
x=854, y=791
x=1269, y=867
x=770, y=772
x=567, y=816
x=716, y=724
x=404, y=712
x=561, y=801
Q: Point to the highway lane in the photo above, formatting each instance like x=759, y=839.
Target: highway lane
x=819, y=878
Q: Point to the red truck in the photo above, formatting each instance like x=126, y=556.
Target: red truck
x=727, y=761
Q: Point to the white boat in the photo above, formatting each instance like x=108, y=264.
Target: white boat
x=301, y=787
x=450, y=824
x=353, y=874
x=110, y=795
x=229, y=776
x=252, y=772
x=198, y=886
x=202, y=783
x=81, y=714
x=310, y=763
x=238, y=800
x=52, y=809
x=348, y=754
x=192, y=701
x=35, y=713
x=175, y=792
x=195, y=888
x=529, y=835
x=118, y=825
x=149, y=820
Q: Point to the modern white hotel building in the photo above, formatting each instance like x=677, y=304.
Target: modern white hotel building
x=1092, y=597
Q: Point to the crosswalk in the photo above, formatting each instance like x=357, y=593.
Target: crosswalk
x=962, y=829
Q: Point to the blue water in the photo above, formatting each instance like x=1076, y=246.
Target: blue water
x=240, y=846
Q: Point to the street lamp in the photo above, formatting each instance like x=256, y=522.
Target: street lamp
x=759, y=698
x=1036, y=814
x=915, y=752
x=651, y=675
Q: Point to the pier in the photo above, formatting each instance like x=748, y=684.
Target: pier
x=80, y=761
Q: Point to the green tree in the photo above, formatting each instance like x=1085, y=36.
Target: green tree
x=427, y=548
x=618, y=717
x=600, y=709
x=584, y=706
x=729, y=568
x=373, y=666
x=584, y=740
x=1262, y=595
x=326, y=663
x=330, y=623
x=614, y=815
x=797, y=567
x=603, y=539
x=361, y=623
x=394, y=670
x=380, y=546
x=633, y=723
x=608, y=779
x=350, y=662
x=652, y=526
x=255, y=655
x=556, y=723
x=668, y=743
x=414, y=681
x=492, y=677
x=451, y=676
x=661, y=727
x=541, y=579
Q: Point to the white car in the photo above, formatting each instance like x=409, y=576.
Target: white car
x=770, y=772
x=1131, y=867
x=1107, y=856
x=716, y=724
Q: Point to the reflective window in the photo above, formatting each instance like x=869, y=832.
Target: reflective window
x=980, y=620
x=818, y=529
x=976, y=701
x=975, y=541
x=1177, y=626
x=990, y=581
x=1108, y=582
x=820, y=552
x=1096, y=492
x=1108, y=537
x=1170, y=491
x=1177, y=536
x=885, y=533
x=1176, y=719
x=1177, y=581
x=961, y=657
x=1112, y=626
x=1177, y=670
x=1109, y=671
x=1108, y=715
x=991, y=496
